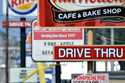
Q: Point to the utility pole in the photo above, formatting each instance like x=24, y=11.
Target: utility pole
x=7, y=45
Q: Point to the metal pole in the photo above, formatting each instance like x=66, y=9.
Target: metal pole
x=112, y=43
x=58, y=72
x=23, y=44
x=7, y=45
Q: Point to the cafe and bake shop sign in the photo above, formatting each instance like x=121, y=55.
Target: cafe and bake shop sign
x=78, y=12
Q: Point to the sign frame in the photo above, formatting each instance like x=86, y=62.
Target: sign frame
x=58, y=41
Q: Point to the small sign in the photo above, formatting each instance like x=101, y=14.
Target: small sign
x=90, y=78
x=44, y=40
x=86, y=52
x=22, y=6
x=17, y=24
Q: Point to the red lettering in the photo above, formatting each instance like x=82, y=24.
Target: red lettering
x=86, y=1
x=60, y=1
x=100, y=1
x=92, y=1
x=14, y=3
x=66, y=1
x=89, y=1
x=54, y=1
x=101, y=77
x=110, y=1
x=20, y=1
x=121, y=1
x=80, y=1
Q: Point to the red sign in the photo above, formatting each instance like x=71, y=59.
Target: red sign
x=91, y=78
x=39, y=35
x=17, y=24
x=81, y=13
x=77, y=53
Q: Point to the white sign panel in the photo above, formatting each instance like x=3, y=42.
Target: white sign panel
x=44, y=40
x=93, y=78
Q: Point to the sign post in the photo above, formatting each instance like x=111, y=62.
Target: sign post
x=23, y=45
x=58, y=72
x=7, y=45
